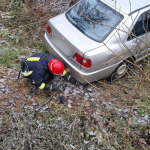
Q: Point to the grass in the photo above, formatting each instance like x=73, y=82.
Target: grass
x=40, y=130
x=118, y=119
x=8, y=56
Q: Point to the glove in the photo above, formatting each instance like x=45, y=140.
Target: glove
x=55, y=87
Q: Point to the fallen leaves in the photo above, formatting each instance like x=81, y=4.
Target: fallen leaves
x=87, y=104
x=78, y=97
x=99, y=136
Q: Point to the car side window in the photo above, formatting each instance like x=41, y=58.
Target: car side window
x=142, y=25
x=146, y=18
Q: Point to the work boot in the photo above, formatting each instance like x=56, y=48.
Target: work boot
x=62, y=100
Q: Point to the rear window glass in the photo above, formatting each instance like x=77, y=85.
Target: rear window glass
x=102, y=17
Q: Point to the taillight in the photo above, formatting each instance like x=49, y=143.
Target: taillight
x=49, y=30
x=83, y=61
x=77, y=58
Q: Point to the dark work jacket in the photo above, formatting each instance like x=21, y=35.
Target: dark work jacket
x=38, y=70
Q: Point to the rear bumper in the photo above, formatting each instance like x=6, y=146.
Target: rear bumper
x=75, y=71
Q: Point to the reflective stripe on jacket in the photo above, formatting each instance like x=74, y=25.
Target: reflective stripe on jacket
x=66, y=75
x=38, y=69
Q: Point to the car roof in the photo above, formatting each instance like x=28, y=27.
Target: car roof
x=129, y=6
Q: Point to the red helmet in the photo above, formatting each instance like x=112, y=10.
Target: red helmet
x=56, y=67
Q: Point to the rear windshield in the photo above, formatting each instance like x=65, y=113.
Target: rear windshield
x=102, y=17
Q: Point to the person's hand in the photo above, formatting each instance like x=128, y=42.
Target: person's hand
x=55, y=87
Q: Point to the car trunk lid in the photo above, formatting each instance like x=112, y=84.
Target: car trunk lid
x=69, y=39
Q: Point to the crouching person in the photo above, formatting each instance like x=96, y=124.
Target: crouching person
x=41, y=67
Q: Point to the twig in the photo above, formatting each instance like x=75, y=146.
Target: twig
x=131, y=110
x=137, y=90
x=123, y=106
x=10, y=4
x=40, y=21
x=73, y=128
x=128, y=123
x=119, y=55
x=46, y=101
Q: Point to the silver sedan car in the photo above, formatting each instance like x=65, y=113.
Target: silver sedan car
x=94, y=36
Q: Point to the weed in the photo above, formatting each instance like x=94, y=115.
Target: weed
x=142, y=112
x=59, y=127
x=43, y=48
x=39, y=45
x=8, y=56
x=17, y=5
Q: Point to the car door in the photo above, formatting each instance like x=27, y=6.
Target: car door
x=146, y=27
x=139, y=45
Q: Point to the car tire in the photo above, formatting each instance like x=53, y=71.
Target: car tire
x=121, y=70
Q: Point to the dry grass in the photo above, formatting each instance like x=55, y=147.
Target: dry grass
x=118, y=118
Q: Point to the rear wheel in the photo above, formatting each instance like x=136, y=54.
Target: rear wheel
x=121, y=70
